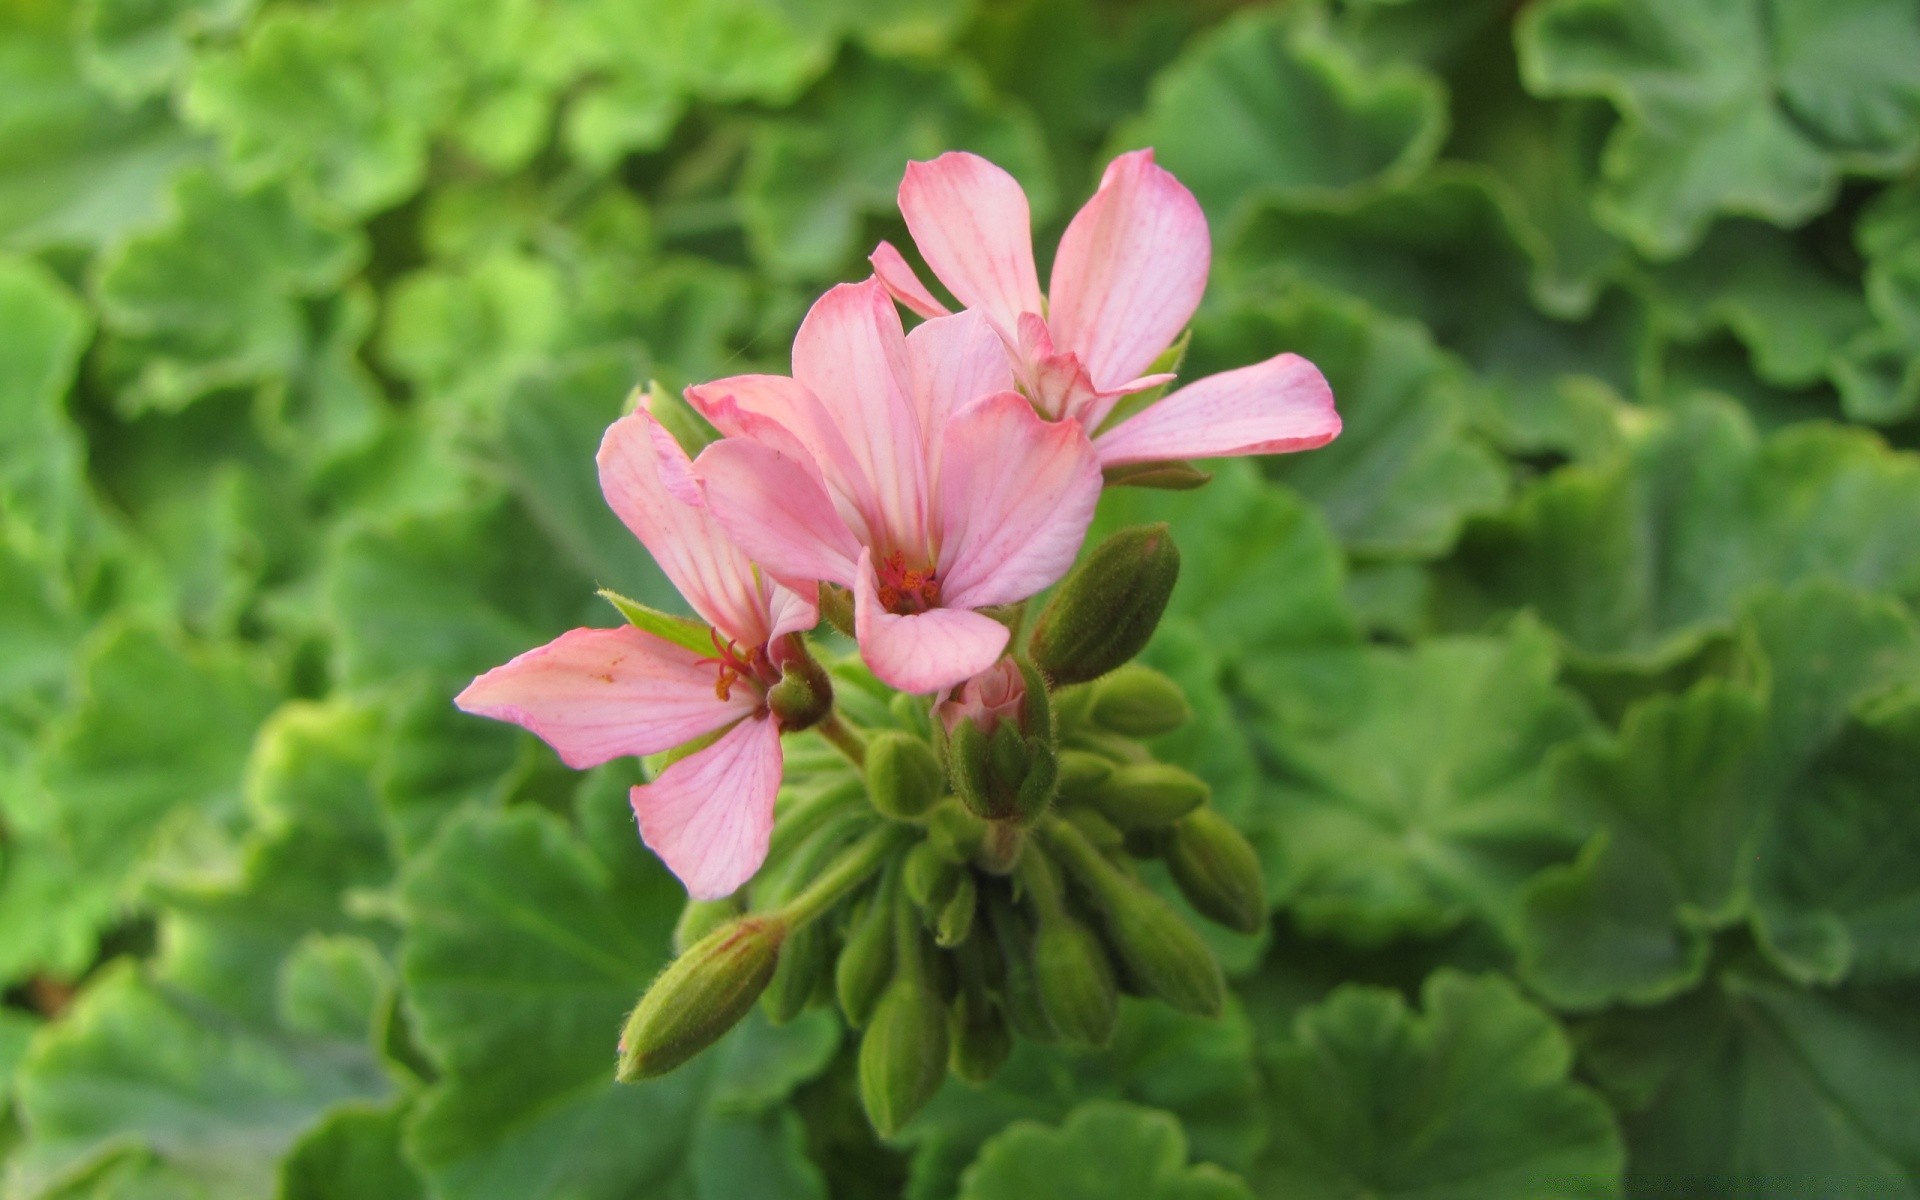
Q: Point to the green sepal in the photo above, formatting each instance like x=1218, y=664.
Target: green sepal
x=1108, y=607
x=681, y=631
x=700, y=996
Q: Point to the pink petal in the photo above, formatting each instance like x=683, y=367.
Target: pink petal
x=647, y=482
x=891, y=268
x=852, y=353
x=777, y=509
x=600, y=694
x=970, y=220
x=1059, y=385
x=1016, y=496
x=710, y=815
x=792, y=610
x=953, y=361
x=1273, y=407
x=1130, y=270
x=927, y=651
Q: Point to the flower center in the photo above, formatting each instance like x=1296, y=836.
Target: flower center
x=906, y=590
x=734, y=666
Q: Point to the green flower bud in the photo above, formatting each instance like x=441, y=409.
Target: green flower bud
x=903, y=775
x=911, y=712
x=1173, y=475
x=1081, y=771
x=1019, y=985
x=1096, y=829
x=953, y=921
x=903, y=1054
x=1005, y=775
x=1149, y=793
x=1140, y=702
x=1075, y=980
x=865, y=966
x=1218, y=870
x=1108, y=607
x=930, y=877
x=836, y=605
x=980, y=1039
x=701, y=917
x=1161, y=952
x=956, y=834
x=702, y=994
x=804, y=695
x=804, y=963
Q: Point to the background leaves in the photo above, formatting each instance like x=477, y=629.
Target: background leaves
x=1569, y=697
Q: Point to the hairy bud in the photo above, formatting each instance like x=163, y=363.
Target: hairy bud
x=701, y=917
x=1217, y=870
x=865, y=965
x=700, y=996
x=804, y=695
x=1075, y=980
x=1140, y=702
x=980, y=1039
x=1108, y=607
x=903, y=774
x=1149, y=793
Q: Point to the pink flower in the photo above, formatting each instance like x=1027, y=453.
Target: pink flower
x=1126, y=280
x=599, y=694
x=905, y=468
x=996, y=694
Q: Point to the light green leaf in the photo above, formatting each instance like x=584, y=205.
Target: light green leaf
x=1731, y=106
x=42, y=457
x=1470, y=1100
x=1102, y=1149
x=136, y=48
x=1269, y=105
x=1434, y=803
x=355, y=1153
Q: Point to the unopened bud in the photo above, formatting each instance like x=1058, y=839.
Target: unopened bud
x=803, y=966
x=1081, y=771
x=1005, y=775
x=929, y=876
x=1019, y=984
x=954, y=832
x=903, y=775
x=804, y=695
x=1149, y=793
x=1140, y=702
x=1173, y=475
x=701, y=917
x=980, y=1039
x=1108, y=607
x=953, y=920
x=1218, y=870
x=702, y=994
x=865, y=965
x=903, y=1054
x=1075, y=980
x=836, y=605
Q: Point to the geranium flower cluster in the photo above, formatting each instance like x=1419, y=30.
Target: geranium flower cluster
x=917, y=487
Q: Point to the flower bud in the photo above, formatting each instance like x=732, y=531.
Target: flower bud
x=701, y=917
x=1218, y=870
x=1160, y=951
x=1081, y=771
x=702, y=994
x=1108, y=607
x=954, y=832
x=953, y=920
x=980, y=1039
x=1075, y=980
x=929, y=876
x=1139, y=702
x=1019, y=984
x=865, y=966
x=1149, y=793
x=1005, y=776
x=804, y=963
x=903, y=1054
x=836, y=606
x=996, y=695
x=1172, y=475
x=903, y=775
x=804, y=695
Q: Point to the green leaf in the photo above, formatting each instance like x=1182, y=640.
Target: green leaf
x=218, y=1102
x=524, y=949
x=813, y=176
x=1269, y=105
x=1432, y=804
x=1198, y=1070
x=356, y=1151
x=1639, y=561
x=1102, y=1149
x=469, y=331
x=1731, y=106
x=75, y=168
x=136, y=48
x=1470, y=1100
x=1406, y=470
x=42, y=458
x=211, y=300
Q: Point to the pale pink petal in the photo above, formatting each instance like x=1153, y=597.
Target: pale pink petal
x=851, y=352
x=1091, y=410
x=710, y=815
x=1130, y=270
x=775, y=507
x=891, y=268
x=953, y=361
x=1016, y=496
x=600, y=694
x=923, y=652
x=644, y=475
x=1273, y=407
x=971, y=222
x=792, y=610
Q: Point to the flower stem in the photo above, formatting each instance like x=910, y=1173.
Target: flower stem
x=862, y=860
x=844, y=739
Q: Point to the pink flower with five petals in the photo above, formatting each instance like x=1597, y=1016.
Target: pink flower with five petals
x=599, y=694
x=1126, y=280
x=905, y=468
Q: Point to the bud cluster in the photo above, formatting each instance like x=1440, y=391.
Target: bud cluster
x=976, y=877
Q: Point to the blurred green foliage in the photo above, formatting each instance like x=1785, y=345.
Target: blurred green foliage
x=1570, y=697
